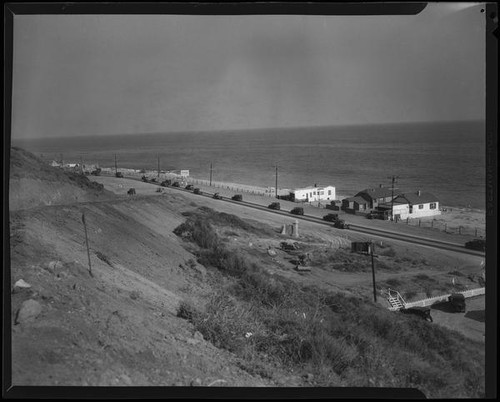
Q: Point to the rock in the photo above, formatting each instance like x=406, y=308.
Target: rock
x=196, y=382
x=126, y=379
x=192, y=341
x=54, y=266
x=21, y=284
x=199, y=336
x=30, y=309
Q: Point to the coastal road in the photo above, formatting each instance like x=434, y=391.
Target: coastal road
x=373, y=232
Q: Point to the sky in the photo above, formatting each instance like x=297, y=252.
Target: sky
x=118, y=74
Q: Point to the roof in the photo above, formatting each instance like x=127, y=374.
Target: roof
x=359, y=200
x=378, y=192
x=415, y=198
x=312, y=188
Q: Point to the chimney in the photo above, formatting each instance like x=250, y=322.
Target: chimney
x=418, y=193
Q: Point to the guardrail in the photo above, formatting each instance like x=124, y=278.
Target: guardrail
x=432, y=300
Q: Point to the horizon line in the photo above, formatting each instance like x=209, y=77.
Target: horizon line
x=253, y=129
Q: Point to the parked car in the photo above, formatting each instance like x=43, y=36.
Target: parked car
x=197, y=191
x=476, y=244
x=331, y=217
x=189, y=187
x=217, y=196
x=457, y=301
x=96, y=172
x=237, y=197
x=176, y=184
x=153, y=180
x=119, y=174
x=274, y=205
x=297, y=211
x=144, y=178
x=166, y=183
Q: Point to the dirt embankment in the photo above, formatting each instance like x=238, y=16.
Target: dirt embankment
x=33, y=183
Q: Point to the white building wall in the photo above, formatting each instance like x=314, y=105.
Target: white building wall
x=315, y=194
x=404, y=210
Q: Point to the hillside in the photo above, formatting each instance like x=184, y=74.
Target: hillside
x=33, y=183
x=189, y=291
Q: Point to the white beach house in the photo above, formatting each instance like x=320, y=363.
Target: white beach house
x=415, y=205
x=314, y=193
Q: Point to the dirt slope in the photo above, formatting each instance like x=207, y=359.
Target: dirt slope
x=33, y=183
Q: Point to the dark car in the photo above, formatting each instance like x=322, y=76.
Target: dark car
x=189, y=187
x=457, y=301
x=423, y=312
x=331, y=217
x=217, y=196
x=237, y=197
x=119, y=174
x=340, y=224
x=197, y=191
x=176, y=184
x=166, y=183
x=297, y=211
x=153, y=180
x=476, y=244
x=144, y=178
x=275, y=205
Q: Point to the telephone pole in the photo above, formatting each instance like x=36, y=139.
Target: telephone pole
x=372, y=246
x=211, y=174
x=276, y=192
x=392, y=195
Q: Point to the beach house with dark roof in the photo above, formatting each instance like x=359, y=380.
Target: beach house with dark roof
x=418, y=204
x=354, y=204
x=377, y=195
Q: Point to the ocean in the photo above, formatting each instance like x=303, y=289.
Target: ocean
x=445, y=159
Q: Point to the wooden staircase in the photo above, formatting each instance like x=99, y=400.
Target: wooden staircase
x=395, y=299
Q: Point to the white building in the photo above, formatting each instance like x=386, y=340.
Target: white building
x=415, y=205
x=314, y=193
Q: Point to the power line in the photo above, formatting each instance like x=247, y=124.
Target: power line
x=392, y=195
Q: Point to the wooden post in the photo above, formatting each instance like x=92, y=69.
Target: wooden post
x=372, y=246
x=87, y=242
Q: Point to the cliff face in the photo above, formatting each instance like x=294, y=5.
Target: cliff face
x=33, y=183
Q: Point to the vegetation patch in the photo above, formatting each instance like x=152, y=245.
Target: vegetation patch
x=268, y=320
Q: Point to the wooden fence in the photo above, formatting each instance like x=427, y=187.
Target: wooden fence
x=438, y=299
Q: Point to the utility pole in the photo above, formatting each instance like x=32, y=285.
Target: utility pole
x=276, y=192
x=116, y=168
x=211, y=174
x=392, y=195
x=372, y=246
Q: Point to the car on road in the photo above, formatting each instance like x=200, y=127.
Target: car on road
x=217, y=196
x=176, y=184
x=476, y=244
x=166, y=183
x=340, y=224
x=331, y=217
x=197, y=191
x=189, y=187
x=237, y=197
x=119, y=174
x=274, y=205
x=297, y=211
